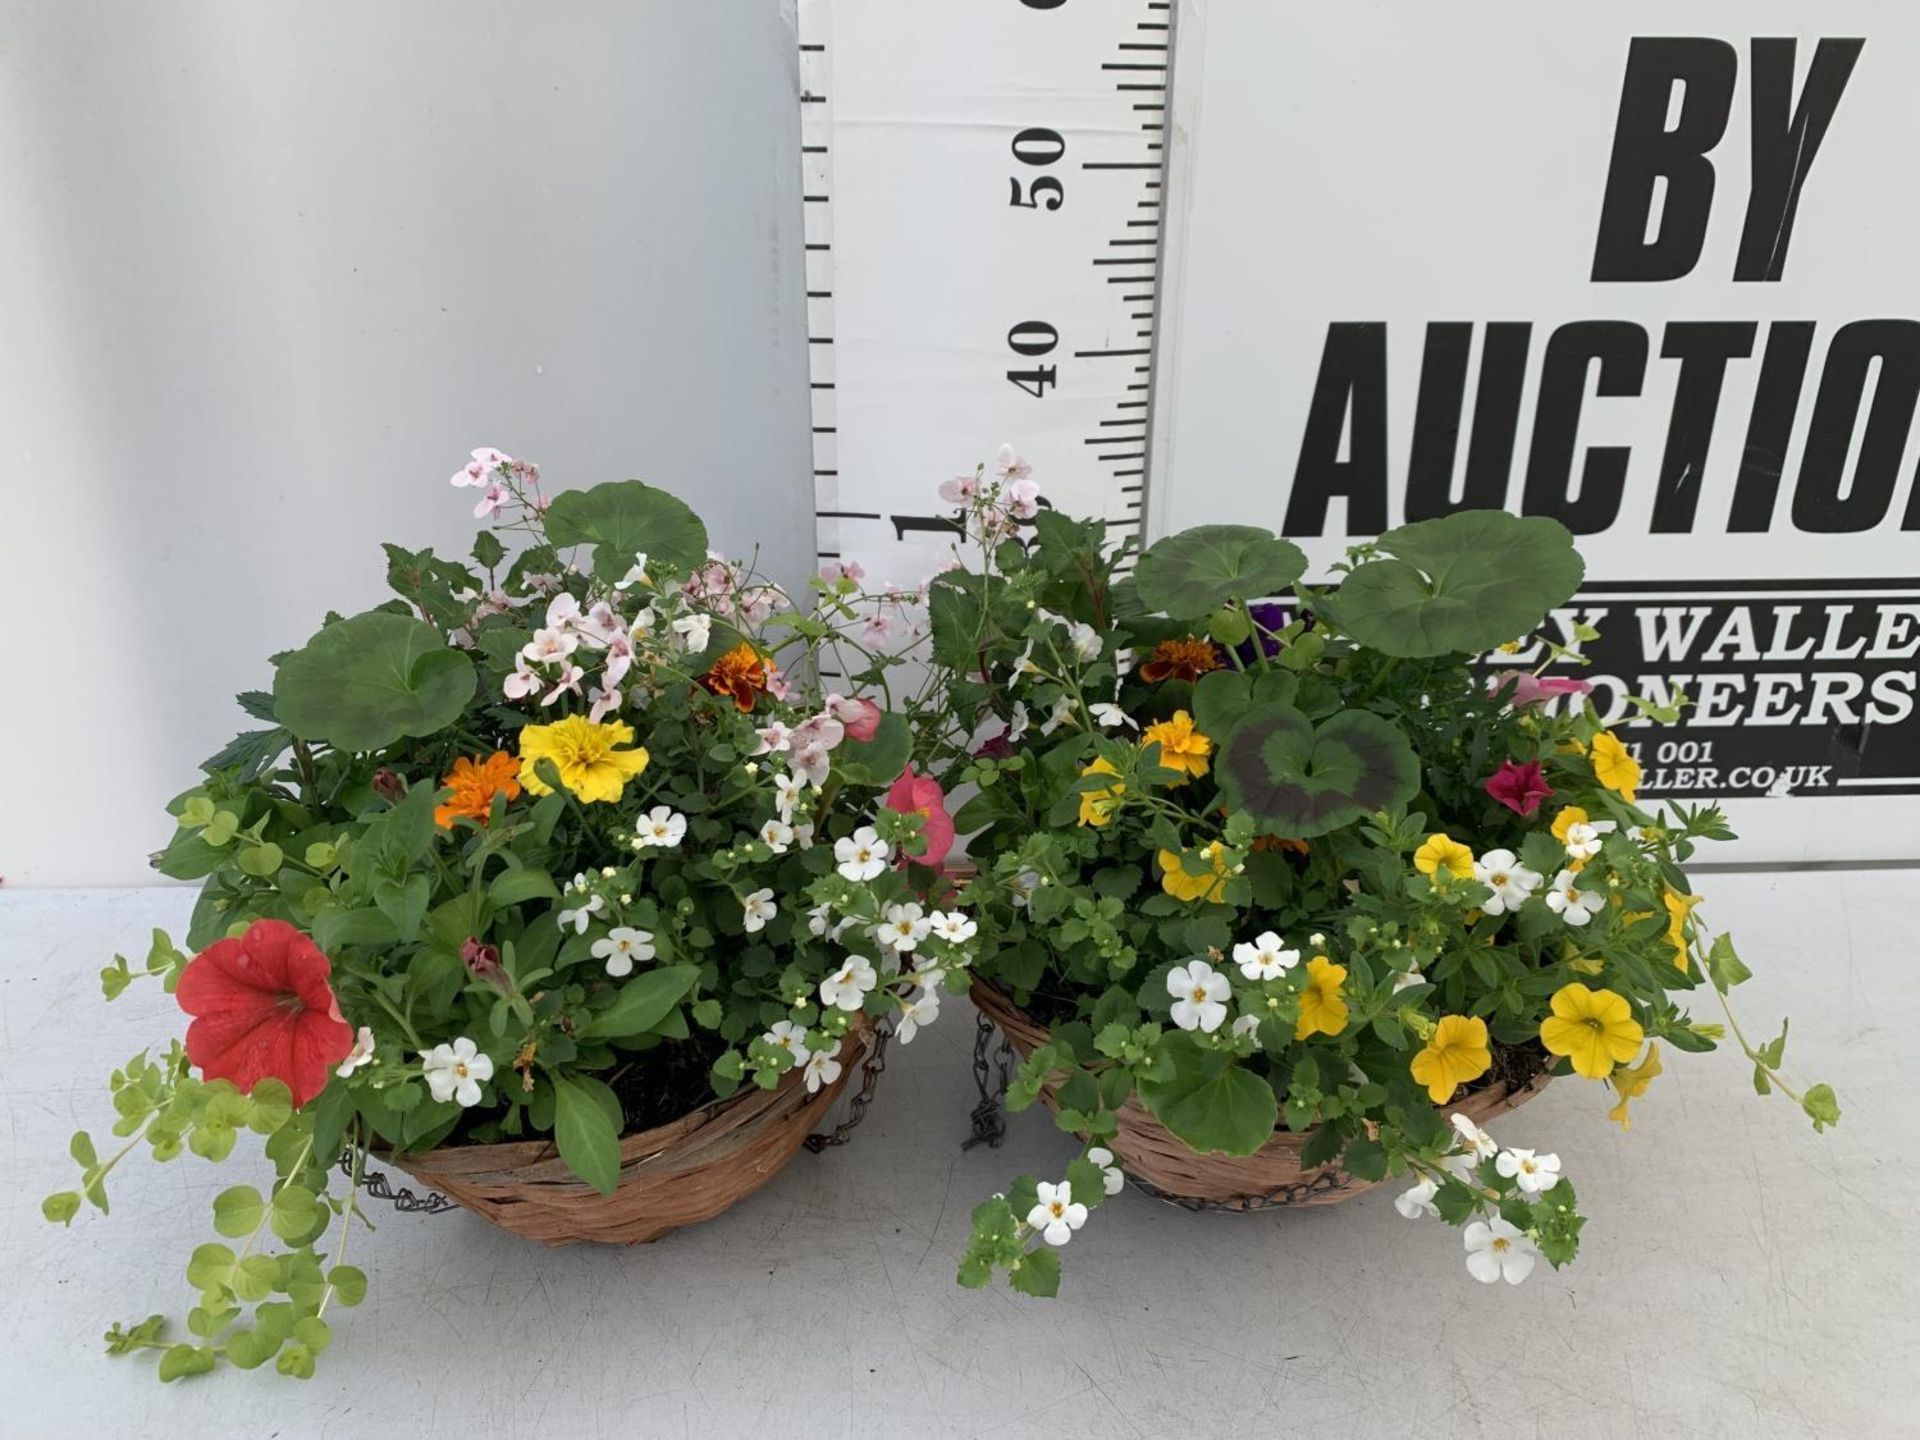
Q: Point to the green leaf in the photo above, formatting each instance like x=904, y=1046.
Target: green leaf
x=404, y=903
x=878, y=761
x=625, y=518
x=1461, y=584
x=1822, y=1106
x=642, y=1002
x=182, y=1360
x=367, y=925
x=1209, y=1102
x=512, y=887
x=250, y=1349
x=1036, y=1273
x=1188, y=574
x=363, y=683
x=293, y=1212
x=349, y=1284
x=1724, y=965
x=1301, y=780
x=237, y=1212
x=60, y=1208
x=249, y=753
x=589, y=1139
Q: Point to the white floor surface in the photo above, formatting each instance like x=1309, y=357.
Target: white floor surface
x=1741, y=1277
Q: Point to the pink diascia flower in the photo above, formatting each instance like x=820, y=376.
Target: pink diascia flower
x=861, y=717
x=1022, y=499
x=1530, y=689
x=1009, y=466
x=921, y=795
x=1520, y=788
x=960, y=490
x=834, y=571
x=491, y=499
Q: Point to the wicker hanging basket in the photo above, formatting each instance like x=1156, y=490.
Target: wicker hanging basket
x=1162, y=1165
x=673, y=1175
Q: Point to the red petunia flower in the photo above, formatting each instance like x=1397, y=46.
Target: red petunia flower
x=1520, y=788
x=921, y=795
x=263, y=1007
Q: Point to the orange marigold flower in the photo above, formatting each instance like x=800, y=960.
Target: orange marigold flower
x=1279, y=842
x=1186, y=659
x=741, y=673
x=474, y=784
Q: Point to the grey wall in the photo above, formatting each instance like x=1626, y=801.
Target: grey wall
x=268, y=271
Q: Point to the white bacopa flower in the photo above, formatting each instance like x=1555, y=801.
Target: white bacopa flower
x=1022, y=886
x=662, y=826
x=756, y=910
x=1463, y=1168
x=1498, y=1251
x=1200, y=996
x=1245, y=1025
x=847, y=987
x=1419, y=1200
x=695, y=632
x=953, y=926
x=820, y=919
x=1584, y=837
x=621, y=946
x=920, y=1008
x=803, y=835
x=902, y=927
x=550, y=646
x=1407, y=979
x=822, y=1068
x=1534, y=1174
x=360, y=1054
x=637, y=573
x=1511, y=882
x=777, y=835
x=1057, y=1215
x=455, y=1072
x=1109, y=716
x=1110, y=1177
x=581, y=916
x=1572, y=904
x=1061, y=713
x=790, y=1037
x=1475, y=1141
x=861, y=855
x=1263, y=958
x=788, y=791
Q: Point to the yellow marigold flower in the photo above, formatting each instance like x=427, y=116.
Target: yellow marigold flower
x=1178, y=883
x=584, y=754
x=1632, y=1083
x=1186, y=659
x=1182, y=747
x=1323, y=1009
x=474, y=784
x=1678, y=908
x=1455, y=1053
x=1443, y=852
x=1595, y=1029
x=1097, y=806
x=1613, y=767
x=1568, y=818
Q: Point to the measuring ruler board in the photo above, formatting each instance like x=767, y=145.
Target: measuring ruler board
x=983, y=187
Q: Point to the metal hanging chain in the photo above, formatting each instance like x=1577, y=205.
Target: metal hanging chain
x=990, y=1115
x=404, y=1200
x=1296, y=1194
x=857, y=1109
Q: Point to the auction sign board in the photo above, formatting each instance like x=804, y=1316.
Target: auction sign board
x=1646, y=268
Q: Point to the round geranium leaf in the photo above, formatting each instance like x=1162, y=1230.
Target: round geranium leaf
x=626, y=518
x=1191, y=573
x=365, y=682
x=1300, y=780
x=1460, y=584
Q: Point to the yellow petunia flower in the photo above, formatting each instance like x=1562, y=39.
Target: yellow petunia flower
x=1323, y=1009
x=584, y=753
x=1443, y=852
x=1613, y=767
x=1632, y=1083
x=1182, y=747
x=1678, y=908
x=1097, y=806
x=1595, y=1029
x=1568, y=818
x=1175, y=880
x=1455, y=1053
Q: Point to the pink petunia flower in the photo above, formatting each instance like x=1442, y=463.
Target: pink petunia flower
x=921, y=795
x=1520, y=788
